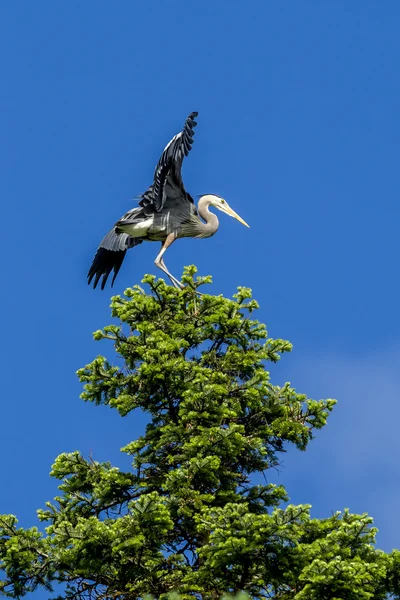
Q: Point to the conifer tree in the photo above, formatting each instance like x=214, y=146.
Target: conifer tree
x=188, y=517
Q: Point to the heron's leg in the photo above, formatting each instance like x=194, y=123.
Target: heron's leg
x=175, y=281
x=178, y=284
x=159, y=262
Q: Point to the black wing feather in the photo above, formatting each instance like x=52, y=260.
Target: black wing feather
x=170, y=164
x=110, y=255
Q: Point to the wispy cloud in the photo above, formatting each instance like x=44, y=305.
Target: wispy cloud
x=353, y=462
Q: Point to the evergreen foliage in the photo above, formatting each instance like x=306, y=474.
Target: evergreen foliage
x=188, y=518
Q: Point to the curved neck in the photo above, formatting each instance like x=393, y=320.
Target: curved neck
x=211, y=220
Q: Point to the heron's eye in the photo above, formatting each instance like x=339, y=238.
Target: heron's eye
x=222, y=201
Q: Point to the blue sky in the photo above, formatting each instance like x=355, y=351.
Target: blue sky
x=298, y=130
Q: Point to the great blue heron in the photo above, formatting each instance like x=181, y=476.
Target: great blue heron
x=165, y=212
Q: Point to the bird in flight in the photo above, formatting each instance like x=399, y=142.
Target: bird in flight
x=166, y=212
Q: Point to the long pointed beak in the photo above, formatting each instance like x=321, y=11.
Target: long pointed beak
x=229, y=211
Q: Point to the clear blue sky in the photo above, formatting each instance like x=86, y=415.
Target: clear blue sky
x=298, y=129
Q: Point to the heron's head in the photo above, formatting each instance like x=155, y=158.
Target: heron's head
x=223, y=206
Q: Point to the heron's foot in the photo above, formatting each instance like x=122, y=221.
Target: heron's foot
x=176, y=283
x=181, y=286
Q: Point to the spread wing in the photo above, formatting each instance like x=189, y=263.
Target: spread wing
x=110, y=255
x=167, y=174
x=167, y=191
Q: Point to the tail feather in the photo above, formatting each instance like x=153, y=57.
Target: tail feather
x=109, y=256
